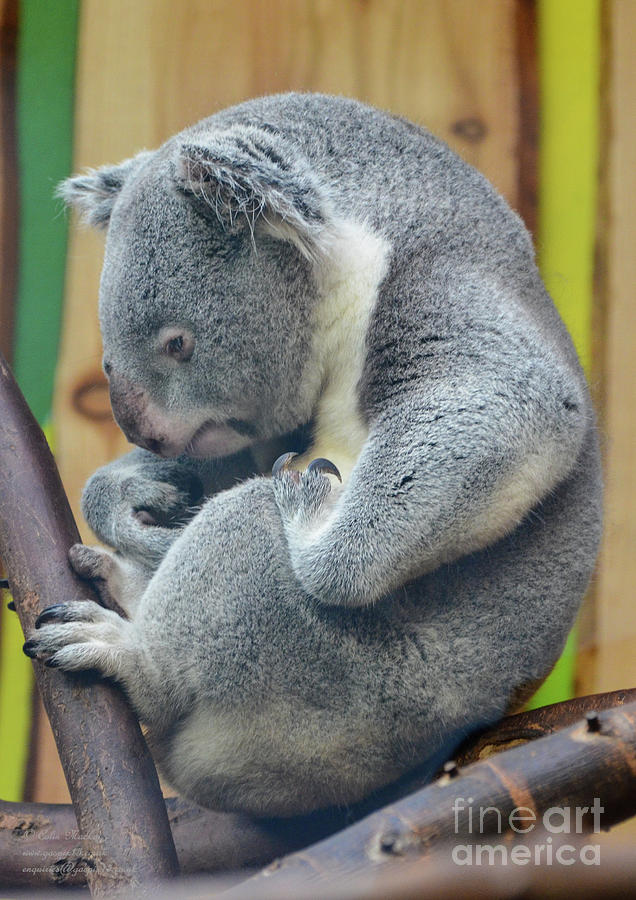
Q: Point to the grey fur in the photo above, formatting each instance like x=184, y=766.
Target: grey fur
x=293, y=643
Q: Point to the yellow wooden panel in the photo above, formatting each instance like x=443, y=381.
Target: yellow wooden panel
x=615, y=607
x=149, y=68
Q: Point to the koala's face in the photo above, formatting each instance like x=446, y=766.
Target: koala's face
x=206, y=324
x=203, y=336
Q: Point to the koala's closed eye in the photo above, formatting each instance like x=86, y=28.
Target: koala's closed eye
x=176, y=344
x=174, y=347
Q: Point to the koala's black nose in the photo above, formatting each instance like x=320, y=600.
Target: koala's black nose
x=155, y=445
x=133, y=435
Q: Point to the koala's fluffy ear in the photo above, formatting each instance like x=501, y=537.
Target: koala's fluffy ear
x=94, y=192
x=250, y=178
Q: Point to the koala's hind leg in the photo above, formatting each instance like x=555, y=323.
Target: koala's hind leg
x=83, y=636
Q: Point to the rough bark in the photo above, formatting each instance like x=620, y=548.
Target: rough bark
x=44, y=836
x=121, y=816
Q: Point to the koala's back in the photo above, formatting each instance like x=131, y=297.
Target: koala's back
x=461, y=281
x=407, y=185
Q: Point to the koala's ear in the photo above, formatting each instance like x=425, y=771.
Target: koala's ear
x=250, y=178
x=94, y=192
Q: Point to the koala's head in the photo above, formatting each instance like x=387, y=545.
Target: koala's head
x=208, y=287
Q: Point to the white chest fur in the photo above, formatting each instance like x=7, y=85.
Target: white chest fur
x=349, y=285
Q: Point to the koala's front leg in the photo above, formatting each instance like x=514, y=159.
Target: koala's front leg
x=139, y=504
x=439, y=477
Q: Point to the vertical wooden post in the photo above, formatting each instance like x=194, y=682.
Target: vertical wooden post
x=615, y=609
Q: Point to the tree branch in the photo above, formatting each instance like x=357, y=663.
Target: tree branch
x=40, y=846
x=125, y=836
x=42, y=836
x=535, y=723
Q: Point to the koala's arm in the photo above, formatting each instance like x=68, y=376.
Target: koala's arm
x=452, y=464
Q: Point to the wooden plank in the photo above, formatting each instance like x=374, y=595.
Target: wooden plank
x=569, y=67
x=149, y=68
x=528, y=132
x=615, y=608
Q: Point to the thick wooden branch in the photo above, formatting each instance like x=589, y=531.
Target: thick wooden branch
x=535, y=723
x=38, y=844
x=121, y=816
x=595, y=758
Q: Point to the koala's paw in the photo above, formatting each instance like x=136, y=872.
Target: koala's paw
x=138, y=509
x=168, y=504
x=79, y=635
x=302, y=496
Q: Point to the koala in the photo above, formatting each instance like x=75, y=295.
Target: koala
x=365, y=500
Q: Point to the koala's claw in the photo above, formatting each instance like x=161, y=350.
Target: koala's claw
x=302, y=496
x=282, y=465
x=4, y=586
x=324, y=465
x=50, y=613
x=320, y=464
x=30, y=649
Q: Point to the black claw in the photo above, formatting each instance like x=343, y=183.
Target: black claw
x=324, y=465
x=11, y=606
x=4, y=584
x=282, y=463
x=51, y=612
x=51, y=662
x=30, y=649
